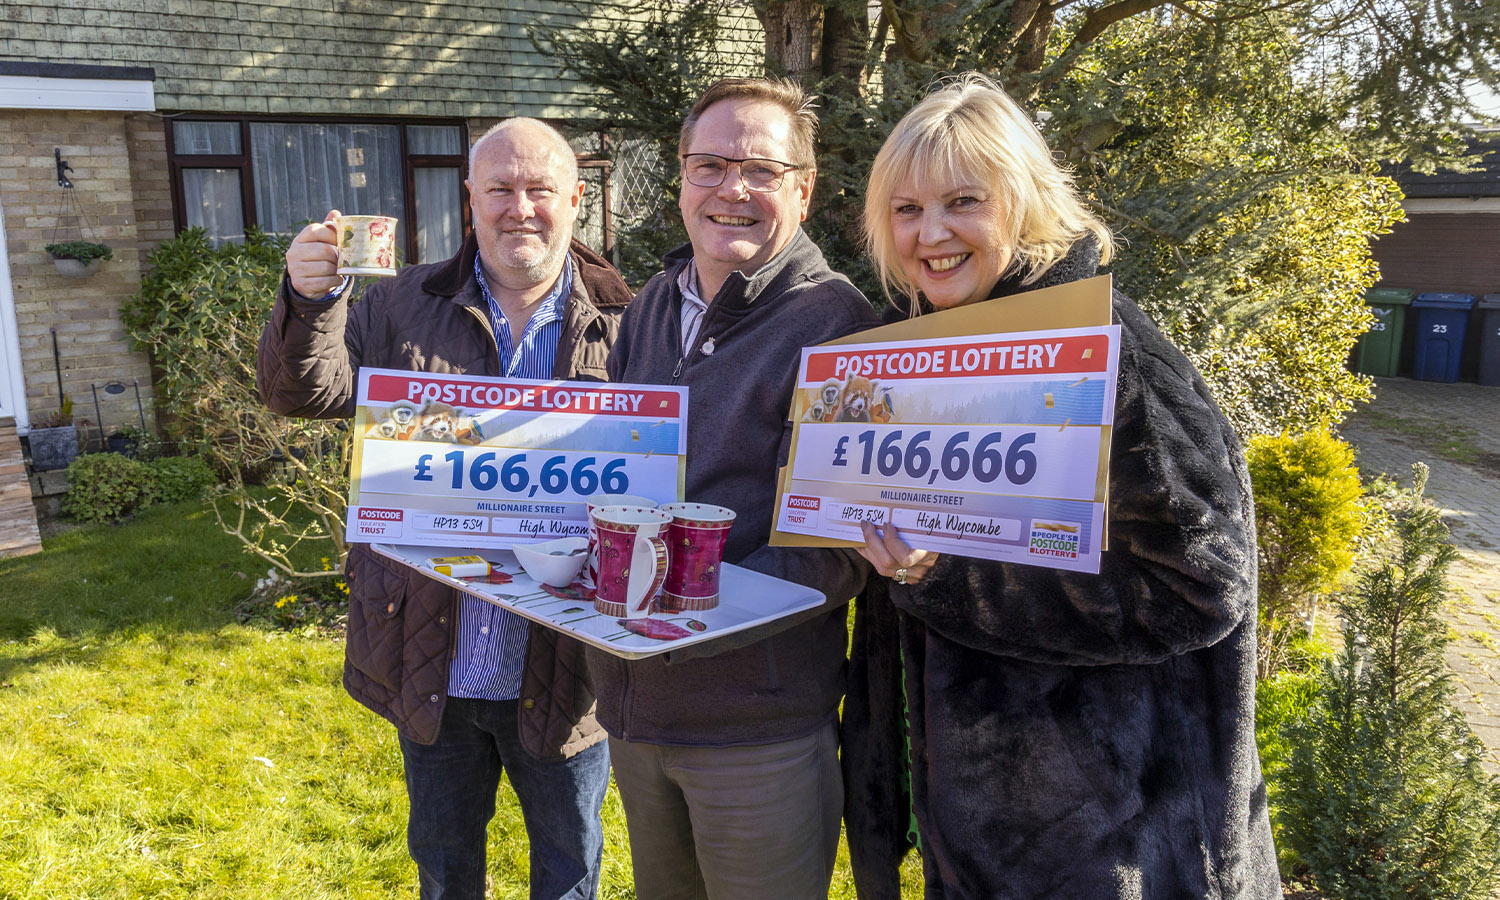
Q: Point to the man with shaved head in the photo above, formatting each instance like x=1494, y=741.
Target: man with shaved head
x=473, y=691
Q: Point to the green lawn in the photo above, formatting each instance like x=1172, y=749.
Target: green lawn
x=155, y=748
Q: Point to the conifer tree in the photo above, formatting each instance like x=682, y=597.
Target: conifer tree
x=1384, y=796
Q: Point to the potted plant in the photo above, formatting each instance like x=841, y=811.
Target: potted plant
x=134, y=442
x=54, y=438
x=78, y=258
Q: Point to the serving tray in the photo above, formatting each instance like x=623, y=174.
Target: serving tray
x=746, y=599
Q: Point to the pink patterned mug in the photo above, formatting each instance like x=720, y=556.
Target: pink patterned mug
x=632, y=559
x=591, y=568
x=367, y=245
x=695, y=544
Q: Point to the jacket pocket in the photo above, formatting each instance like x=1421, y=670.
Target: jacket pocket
x=378, y=590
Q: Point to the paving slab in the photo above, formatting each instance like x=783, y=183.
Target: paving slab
x=1455, y=430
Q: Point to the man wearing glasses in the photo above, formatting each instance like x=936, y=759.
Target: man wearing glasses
x=726, y=753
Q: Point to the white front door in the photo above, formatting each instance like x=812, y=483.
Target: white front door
x=12, y=386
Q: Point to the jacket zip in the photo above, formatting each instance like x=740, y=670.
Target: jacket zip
x=489, y=329
x=495, y=345
x=627, y=701
x=703, y=333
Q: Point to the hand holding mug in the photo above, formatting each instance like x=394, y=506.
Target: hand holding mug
x=313, y=257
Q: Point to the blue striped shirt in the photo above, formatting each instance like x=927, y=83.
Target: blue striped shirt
x=491, y=648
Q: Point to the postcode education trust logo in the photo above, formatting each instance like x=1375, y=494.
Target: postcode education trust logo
x=1053, y=539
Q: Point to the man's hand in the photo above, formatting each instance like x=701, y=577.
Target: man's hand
x=313, y=258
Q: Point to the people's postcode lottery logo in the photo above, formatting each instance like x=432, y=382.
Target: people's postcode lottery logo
x=1055, y=539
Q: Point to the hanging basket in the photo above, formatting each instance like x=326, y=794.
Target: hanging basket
x=73, y=268
x=80, y=256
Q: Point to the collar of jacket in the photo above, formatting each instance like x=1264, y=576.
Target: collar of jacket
x=796, y=261
x=1081, y=261
x=455, y=277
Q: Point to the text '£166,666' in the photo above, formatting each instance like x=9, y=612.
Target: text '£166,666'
x=989, y=459
x=520, y=475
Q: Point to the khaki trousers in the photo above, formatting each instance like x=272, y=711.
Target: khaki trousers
x=732, y=823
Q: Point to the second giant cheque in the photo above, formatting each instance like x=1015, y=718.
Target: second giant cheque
x=993, y=446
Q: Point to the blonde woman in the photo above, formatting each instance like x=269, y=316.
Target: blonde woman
x=1055, y=734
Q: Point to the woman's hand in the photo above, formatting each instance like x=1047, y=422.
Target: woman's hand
x=891, y=556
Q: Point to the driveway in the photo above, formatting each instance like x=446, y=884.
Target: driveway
x=1455, y=429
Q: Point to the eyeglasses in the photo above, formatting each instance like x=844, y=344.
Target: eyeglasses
x=708, y=170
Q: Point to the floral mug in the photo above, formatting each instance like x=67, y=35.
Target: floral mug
x=367, y=245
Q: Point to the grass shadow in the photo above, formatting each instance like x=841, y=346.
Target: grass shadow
x=170, y=569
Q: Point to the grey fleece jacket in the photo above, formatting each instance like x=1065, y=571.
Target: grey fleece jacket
x=783, y=680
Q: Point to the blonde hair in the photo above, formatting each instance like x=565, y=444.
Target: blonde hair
x=969, y=128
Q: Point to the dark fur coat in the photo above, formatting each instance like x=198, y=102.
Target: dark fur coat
x=1075, y=735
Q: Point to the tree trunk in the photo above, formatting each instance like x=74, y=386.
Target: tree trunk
x=909, y=29
x=846, y=41
x=794, y=38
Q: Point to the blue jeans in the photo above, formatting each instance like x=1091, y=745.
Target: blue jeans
x=452, y=783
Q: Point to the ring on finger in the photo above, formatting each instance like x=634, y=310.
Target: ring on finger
x=900, y=576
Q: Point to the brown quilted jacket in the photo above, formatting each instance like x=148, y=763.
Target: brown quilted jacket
x=433, y=318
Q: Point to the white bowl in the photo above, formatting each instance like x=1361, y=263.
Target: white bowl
x=556, y=562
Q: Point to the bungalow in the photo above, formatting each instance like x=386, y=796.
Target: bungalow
x=125, y=122
x=1450, y=241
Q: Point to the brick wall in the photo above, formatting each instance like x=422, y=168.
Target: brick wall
x=1450, y=252
x=150, y=179
x=84, y=311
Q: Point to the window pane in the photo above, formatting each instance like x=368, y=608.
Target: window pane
x=212, y=138
x=590, y=225
x=439, y=213
x=212, y=200
x=302, y=171
x=433, y=139
x=587, y=143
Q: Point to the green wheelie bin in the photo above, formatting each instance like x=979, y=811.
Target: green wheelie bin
x=1380, y=348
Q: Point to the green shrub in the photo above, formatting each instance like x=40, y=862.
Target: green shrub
x=200, y=312
x=1383, y=795
x=1280, y=701
x=105, y=487
x=1308, y=516
x=181, y=478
